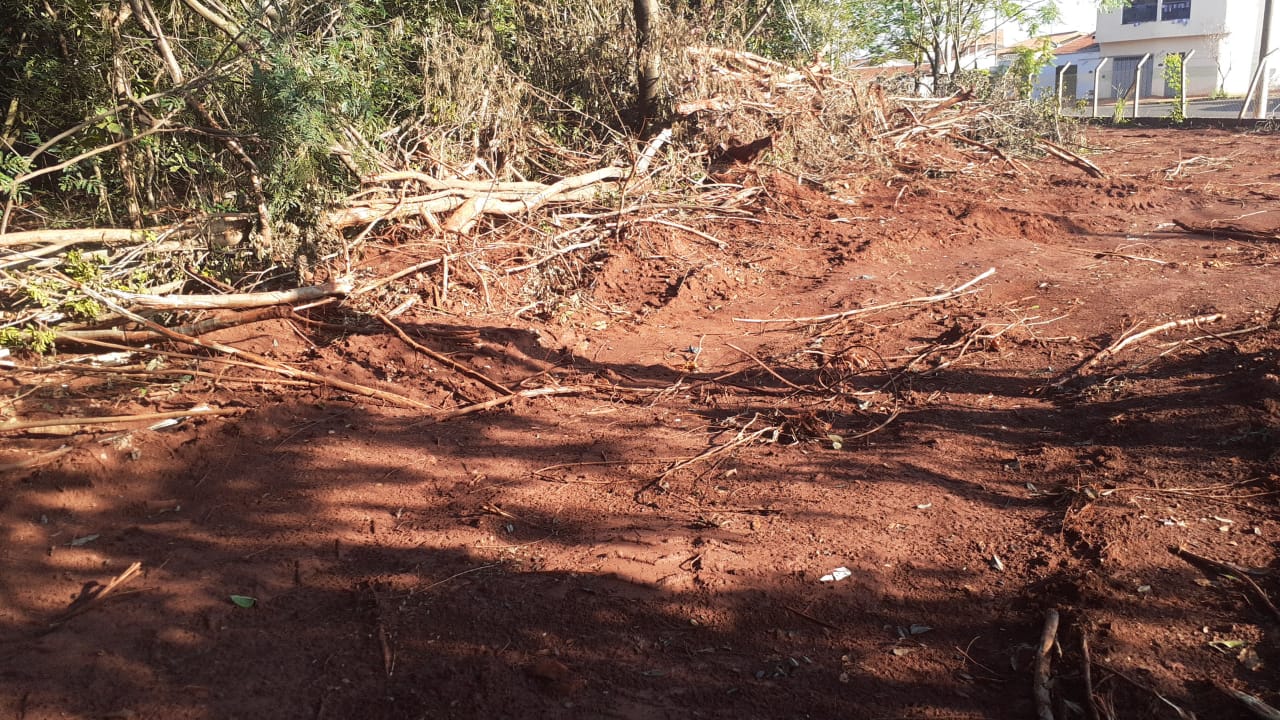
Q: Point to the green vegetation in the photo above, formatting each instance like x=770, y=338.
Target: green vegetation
x=264, y=115
x=1173, y=80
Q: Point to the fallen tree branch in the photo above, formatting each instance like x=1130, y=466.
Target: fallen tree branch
x=1041, y=689
x=332, y=288
x=1071, y=158
x=1121, y=344
x=442, y=359
x=64, y=236
x=113, y=419
x=1225, y=568
x=678, y=226
x=40, y=459
x=953, y=292
x=94, y=593
x=260, y=361
x=982, y=146
x=1255, y=705
x=498, y=401
x=138, y=337
x=467, y=200
x=1234, y=232
x=1091, y=702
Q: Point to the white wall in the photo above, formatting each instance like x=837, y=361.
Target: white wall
x=1202, y=68
x=1208, y=17
x=1224, y=33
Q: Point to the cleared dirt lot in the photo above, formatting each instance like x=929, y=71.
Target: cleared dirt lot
x=654, y=545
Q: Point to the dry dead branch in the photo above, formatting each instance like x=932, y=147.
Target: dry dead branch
x=940, y=297
x=1071, y=158
x=112, y=419
x=1090, y=701
x=468, y=200
x=94, y=594
x=1255, y=705
x=1234, y=232
x=498, y=402
x=36, y=461
x=1114, y=348
x=442, y=359
x=257, y=360
x=334, y=288
x=65, y=236
x=1231, y=569
x=139, y=337
x=1042, y=690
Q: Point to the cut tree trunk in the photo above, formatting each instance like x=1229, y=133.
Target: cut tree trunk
x=649, y=60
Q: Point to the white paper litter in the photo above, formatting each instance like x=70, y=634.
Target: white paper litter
x=836, y=575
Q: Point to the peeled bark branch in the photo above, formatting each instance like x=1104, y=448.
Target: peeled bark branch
x=234, y=300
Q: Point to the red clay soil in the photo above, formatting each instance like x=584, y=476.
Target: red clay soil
x=655, y=545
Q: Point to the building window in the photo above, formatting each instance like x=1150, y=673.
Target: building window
x=1141, y=11
x=1176, y=10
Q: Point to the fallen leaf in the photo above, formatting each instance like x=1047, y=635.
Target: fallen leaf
x=1225, y=645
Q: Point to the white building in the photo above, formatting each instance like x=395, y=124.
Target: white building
x=1224, y=34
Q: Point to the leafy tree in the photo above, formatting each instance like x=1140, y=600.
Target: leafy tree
x=940, y=33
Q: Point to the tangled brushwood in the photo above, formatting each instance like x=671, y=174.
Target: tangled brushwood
x=225, y=153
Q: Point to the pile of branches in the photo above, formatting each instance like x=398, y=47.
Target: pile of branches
x=817, y=122
x=298, y=238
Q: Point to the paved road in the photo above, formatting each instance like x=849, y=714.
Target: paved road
x=1159, y=108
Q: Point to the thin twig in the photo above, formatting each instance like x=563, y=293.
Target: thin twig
x=767, y=369
x=1123, y=676
x=1231, y=569
x=677, y=226
x=438, y=583
x=496, y=402
x=1125, y=342
x=375, y=284
x=1122, y=256
x=1230, y=231
x=92, y=596
x=811, y=618
x=443, y=359
x=40, y=459
x=1091, y=703
x=741, y=439
x=264, y=362
x=953, y=292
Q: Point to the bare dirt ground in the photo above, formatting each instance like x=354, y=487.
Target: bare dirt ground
x=654, y=546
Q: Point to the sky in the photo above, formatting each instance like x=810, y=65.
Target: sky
x=1077, y=15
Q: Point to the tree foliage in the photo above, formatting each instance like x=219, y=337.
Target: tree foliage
x=147, y=111
x=940, y=34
